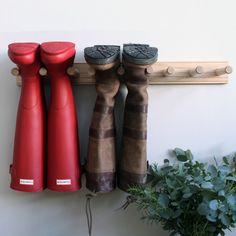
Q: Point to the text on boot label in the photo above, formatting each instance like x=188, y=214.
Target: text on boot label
x=63, y=181
x=27, y=181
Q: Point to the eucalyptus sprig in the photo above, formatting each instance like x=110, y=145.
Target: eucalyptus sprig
x=189, y=197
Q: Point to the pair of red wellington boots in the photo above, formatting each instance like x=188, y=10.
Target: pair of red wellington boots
x=46, y=147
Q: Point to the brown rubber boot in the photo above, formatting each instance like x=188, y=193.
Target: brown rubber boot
x=133, y=162
x=101, y=161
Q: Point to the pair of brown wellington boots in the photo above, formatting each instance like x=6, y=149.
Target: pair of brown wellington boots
x=101, y=173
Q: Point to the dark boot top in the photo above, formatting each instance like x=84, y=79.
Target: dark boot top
x=102, y=54
x=140, y=54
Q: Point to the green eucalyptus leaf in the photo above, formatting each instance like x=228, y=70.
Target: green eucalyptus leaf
x=221, y=192
x=170, y=183
x=173, y=194
x=232, y=178
x=203, y=209
x=211, y=218
x=207, y=178
x=234, y=217
x=181, y=169
x=225, y=169
x=189, y=178
x=189, y=155
x=213, y=205
x=233, y=207
x=187, y=195
x=166, y=213
x=212, y=171
x=212, y=215
x=223, y=208
x=207, y=185
x=199, y=179
x=166, y=162
x=166, y=169
x=187, y=164
x=207, y=194
x=163, y=200
x=225, y=160
x=177, y=213
x=224, y=219
x=231, y=200
x=174, y=203
x=219, y=183
x=180, y=154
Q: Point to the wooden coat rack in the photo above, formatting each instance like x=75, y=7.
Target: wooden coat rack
x=159, y=73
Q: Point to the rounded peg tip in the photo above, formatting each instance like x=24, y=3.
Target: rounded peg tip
x=228, y=69
x=15, y=71
x=121, y=70
x=73, y=71
x=199, y=70
x=70, y=71
x=43, y=71
x=170, y=70
x=91, y=71
x=149, y=70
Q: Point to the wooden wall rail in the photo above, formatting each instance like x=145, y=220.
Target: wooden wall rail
x=159, y=73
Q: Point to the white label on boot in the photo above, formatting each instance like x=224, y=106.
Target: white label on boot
x=63, y=182
x=27, y=181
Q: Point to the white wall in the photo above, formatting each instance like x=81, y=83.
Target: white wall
x=201, y=118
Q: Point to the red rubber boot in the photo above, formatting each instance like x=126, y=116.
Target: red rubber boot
x=63, y=145
x=27, y=170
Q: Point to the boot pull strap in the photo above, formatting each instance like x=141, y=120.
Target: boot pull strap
x=88, y=211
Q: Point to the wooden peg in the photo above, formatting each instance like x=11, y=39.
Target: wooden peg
x=73, y=71
x=18, y=80
x=169, y=71
x=15, y=71
x=224, y=70
x=197, y=71
x=91, y=71
x=149, y=70
x=43, y=71
x=120, y=70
